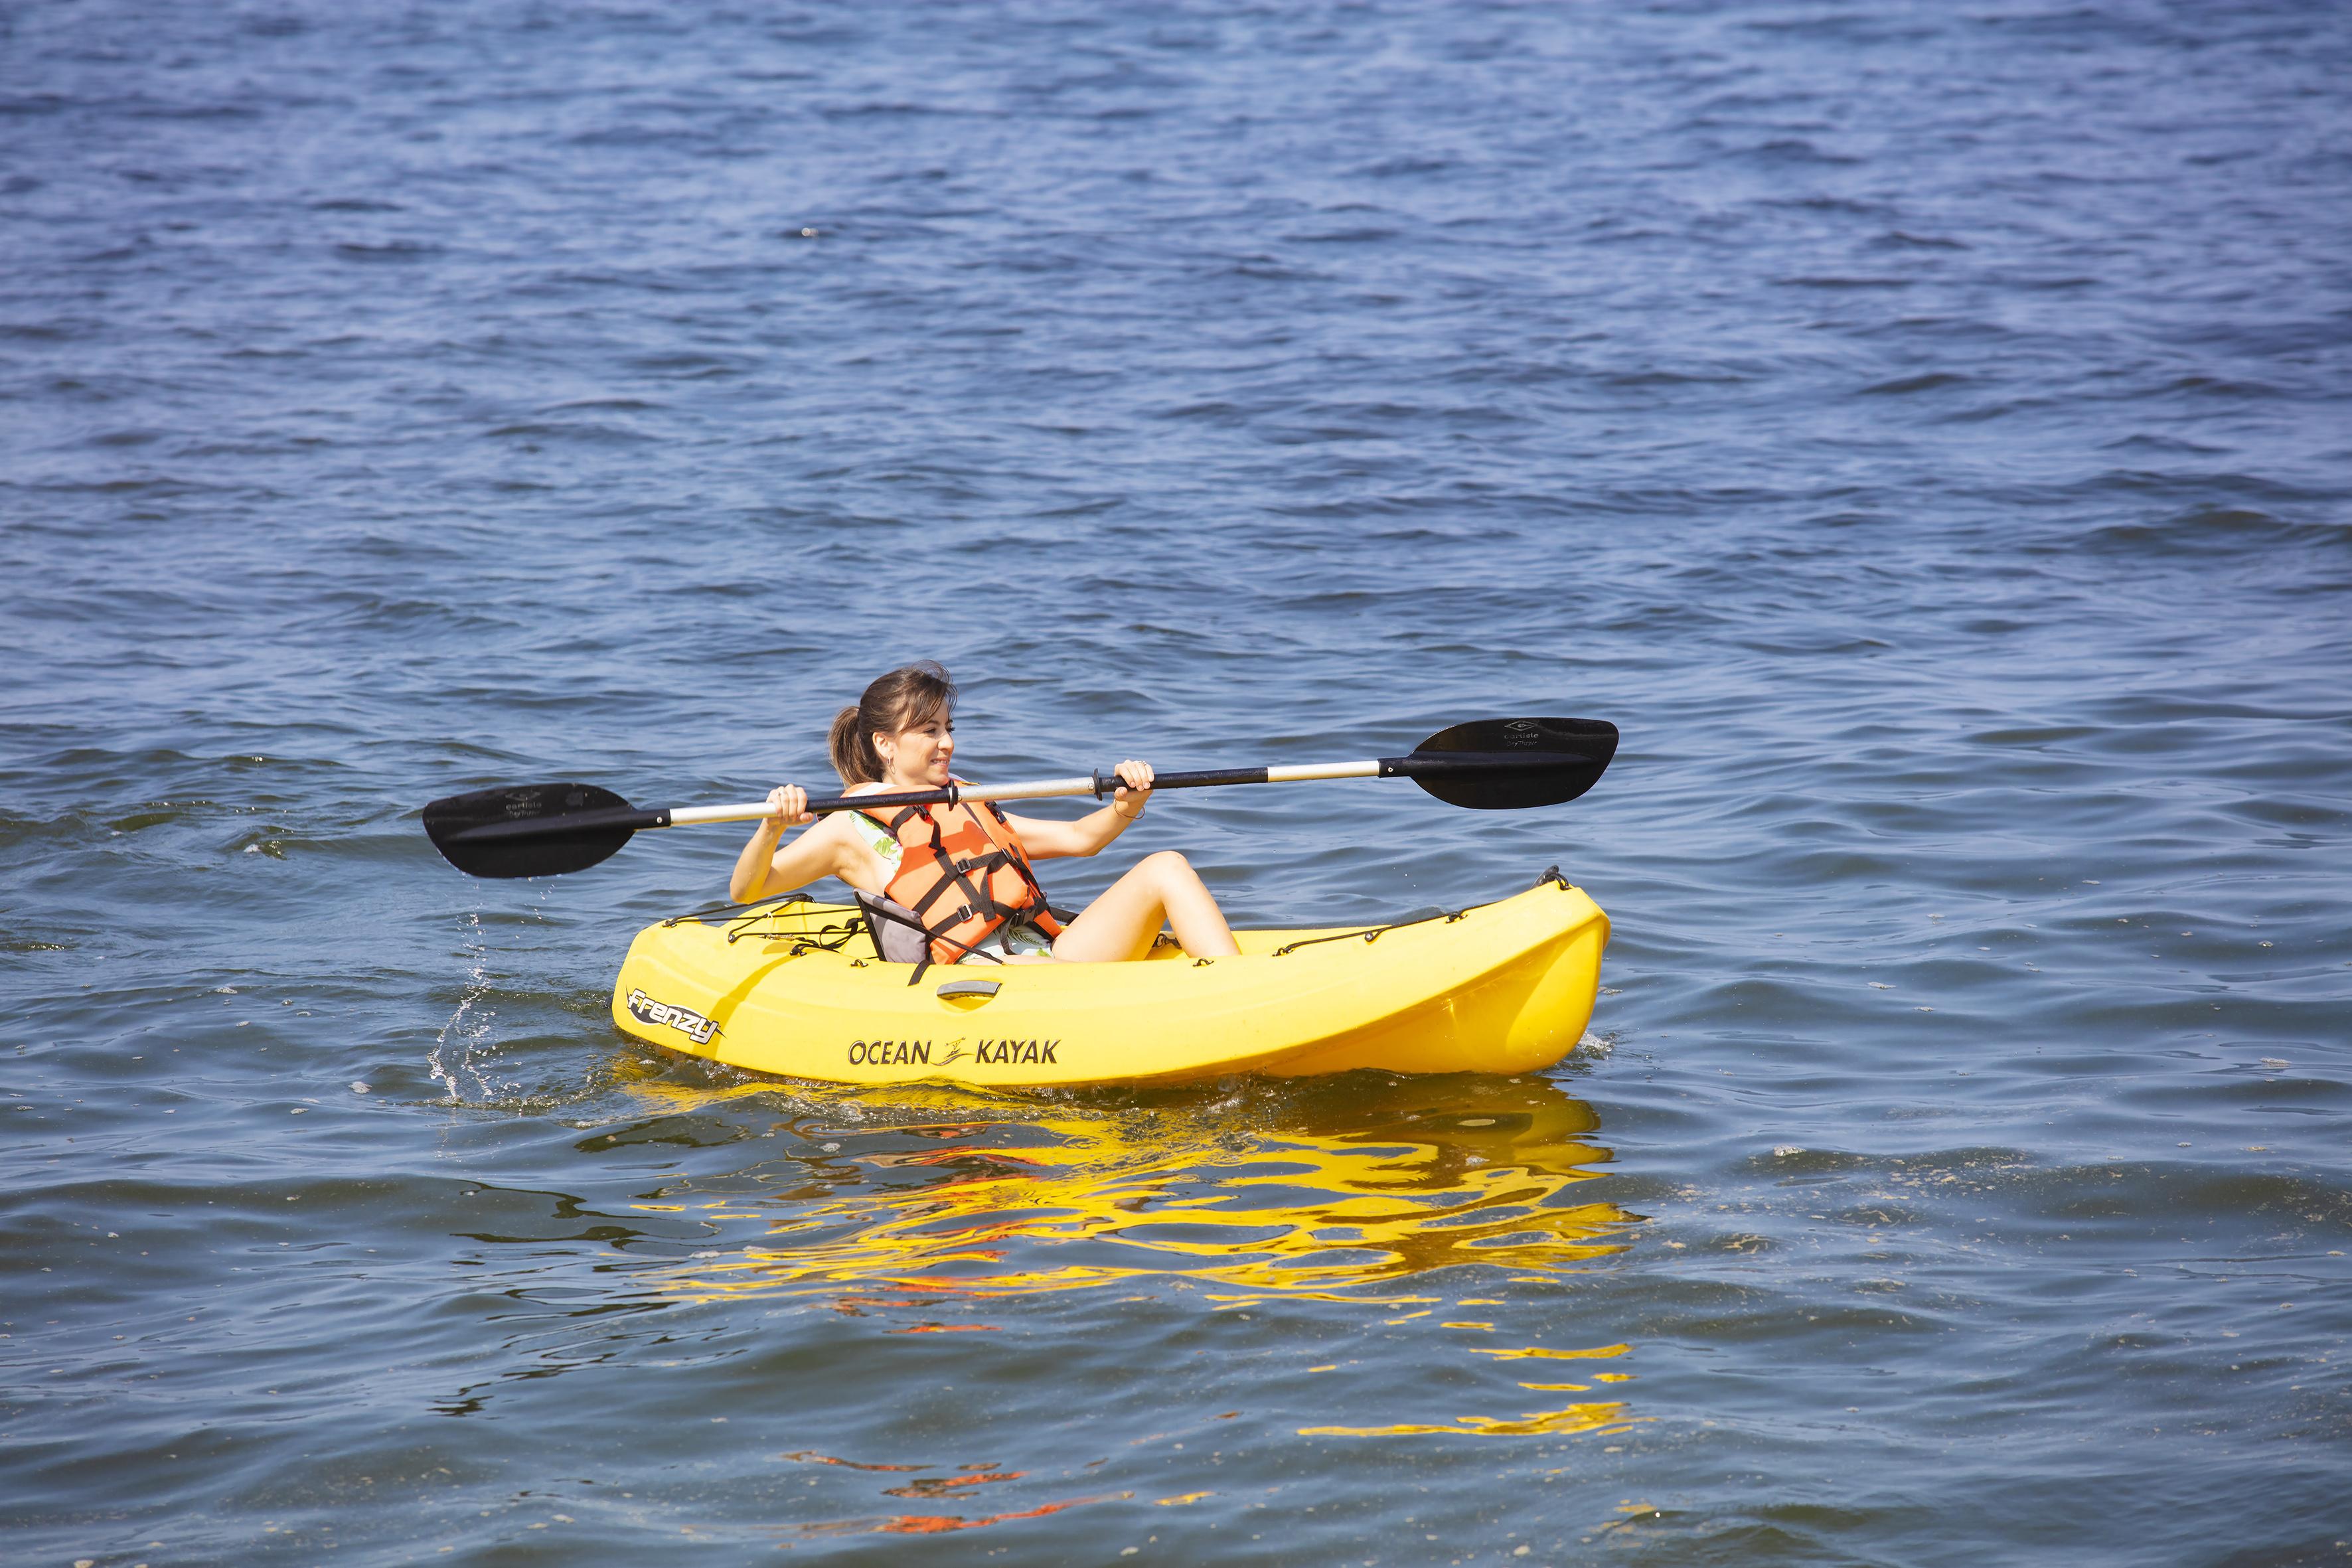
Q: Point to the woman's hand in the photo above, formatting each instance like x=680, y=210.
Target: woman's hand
x=787, y=807
x=1134, y=792
x=1047, y=838
x=763, y=868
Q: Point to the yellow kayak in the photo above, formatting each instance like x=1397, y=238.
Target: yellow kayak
x=796, y=987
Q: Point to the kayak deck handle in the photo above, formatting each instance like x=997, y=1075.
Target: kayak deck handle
x=968, y=990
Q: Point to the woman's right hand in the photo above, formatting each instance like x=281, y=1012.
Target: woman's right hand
x=787, y=807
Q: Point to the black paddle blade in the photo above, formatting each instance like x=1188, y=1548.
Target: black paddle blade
x=1509, y=765
x=532, y=830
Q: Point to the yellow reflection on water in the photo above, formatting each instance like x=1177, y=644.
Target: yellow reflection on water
x=1357, y=1190
x=1609, y=1416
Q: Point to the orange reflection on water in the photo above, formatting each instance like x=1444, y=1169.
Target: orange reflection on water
x=948, y=1486
x=941, y=1524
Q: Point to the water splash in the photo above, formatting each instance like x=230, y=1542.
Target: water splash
x=468, y=1030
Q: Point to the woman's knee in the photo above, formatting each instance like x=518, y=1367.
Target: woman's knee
x=1167, y=866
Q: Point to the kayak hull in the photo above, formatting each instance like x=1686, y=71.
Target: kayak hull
x=797, y=990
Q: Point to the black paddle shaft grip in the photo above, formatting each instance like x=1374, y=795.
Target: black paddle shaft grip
x=1107, y=782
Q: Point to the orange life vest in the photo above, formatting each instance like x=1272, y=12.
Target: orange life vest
x=962, y=876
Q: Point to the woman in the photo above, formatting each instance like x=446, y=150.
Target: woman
x=962, y=871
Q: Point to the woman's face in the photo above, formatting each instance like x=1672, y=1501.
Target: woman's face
x=919, y=756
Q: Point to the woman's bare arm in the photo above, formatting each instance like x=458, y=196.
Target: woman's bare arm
x=1047, y=838
x=763, y=869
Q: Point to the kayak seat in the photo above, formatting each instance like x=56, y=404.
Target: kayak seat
x=898, y=936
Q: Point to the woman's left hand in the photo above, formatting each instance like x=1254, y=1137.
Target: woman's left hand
x=1134, y=790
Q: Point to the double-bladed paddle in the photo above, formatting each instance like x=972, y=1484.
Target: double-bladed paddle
x=1489, y=764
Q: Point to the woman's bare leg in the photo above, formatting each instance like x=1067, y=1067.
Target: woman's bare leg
x=1123, y=922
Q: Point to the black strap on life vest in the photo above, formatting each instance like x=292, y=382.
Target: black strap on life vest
x=1020, y=863
x=960, y=875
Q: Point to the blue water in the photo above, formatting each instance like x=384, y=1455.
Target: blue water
x=1926, y=430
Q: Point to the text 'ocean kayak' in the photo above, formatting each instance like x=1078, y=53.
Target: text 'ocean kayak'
x=796, y=988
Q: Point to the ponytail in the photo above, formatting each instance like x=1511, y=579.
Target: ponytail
x=898, y=701
x=854, y=757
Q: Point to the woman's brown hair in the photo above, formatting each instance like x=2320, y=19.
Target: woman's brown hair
x=901, y=699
